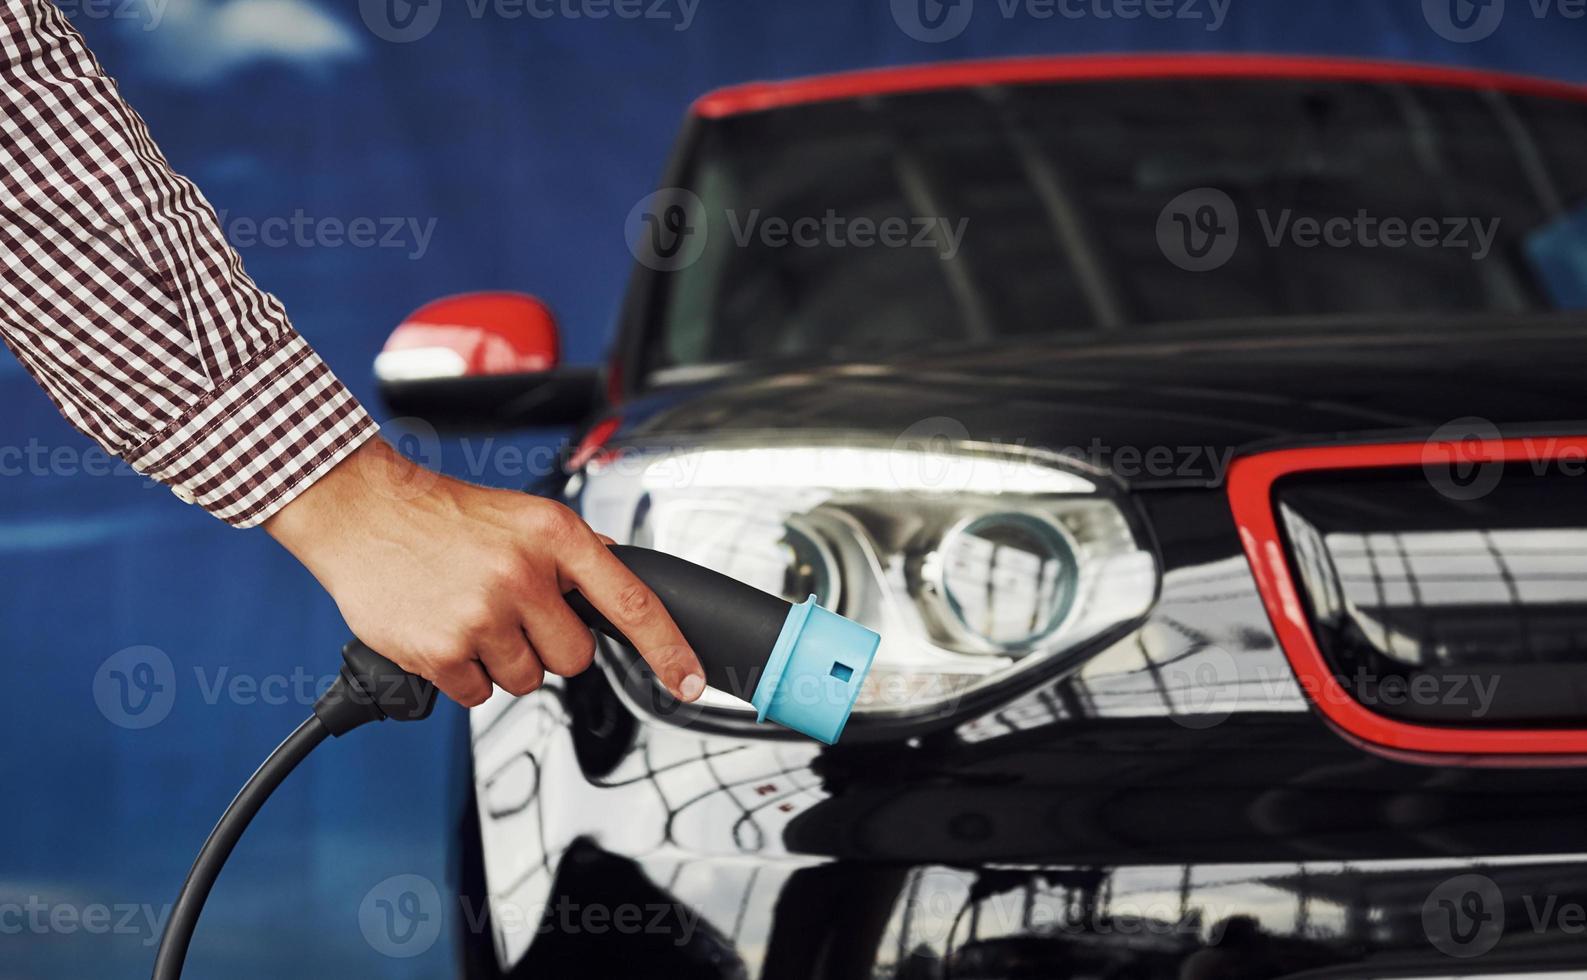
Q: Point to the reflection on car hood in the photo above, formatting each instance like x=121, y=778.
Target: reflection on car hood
x=1207, y=396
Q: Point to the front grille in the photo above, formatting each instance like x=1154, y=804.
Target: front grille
x=1446, y=607
x=1431, y=597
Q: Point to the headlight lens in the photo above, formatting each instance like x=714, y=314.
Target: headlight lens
x=1001, y=582
x=971, y=566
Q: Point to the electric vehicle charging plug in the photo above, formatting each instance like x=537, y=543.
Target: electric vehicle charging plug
x=798, y=664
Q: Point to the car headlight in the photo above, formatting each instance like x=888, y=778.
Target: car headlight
x=974, y=567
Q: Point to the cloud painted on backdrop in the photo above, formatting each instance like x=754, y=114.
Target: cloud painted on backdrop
x=197, y=42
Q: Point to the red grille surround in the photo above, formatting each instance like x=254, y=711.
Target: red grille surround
x=1250, y=487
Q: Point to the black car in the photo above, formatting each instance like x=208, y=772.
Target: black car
x=1205, y=438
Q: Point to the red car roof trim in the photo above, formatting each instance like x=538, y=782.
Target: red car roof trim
x=760, y=96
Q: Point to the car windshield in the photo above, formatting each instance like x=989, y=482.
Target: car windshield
x=976, y=216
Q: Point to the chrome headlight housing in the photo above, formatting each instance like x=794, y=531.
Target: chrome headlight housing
x=974, y=565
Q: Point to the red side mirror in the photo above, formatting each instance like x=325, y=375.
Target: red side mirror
x=484, y=361
x=470, y=335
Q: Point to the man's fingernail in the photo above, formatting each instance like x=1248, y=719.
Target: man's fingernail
x=691, y=687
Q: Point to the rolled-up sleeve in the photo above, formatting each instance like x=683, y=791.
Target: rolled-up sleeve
x=121, y=296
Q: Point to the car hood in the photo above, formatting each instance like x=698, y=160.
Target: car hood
x=1205, y=395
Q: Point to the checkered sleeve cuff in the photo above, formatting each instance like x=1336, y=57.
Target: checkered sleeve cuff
x=266, y=434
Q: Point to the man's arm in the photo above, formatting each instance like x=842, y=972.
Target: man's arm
x=123, y=299
x=120, y=295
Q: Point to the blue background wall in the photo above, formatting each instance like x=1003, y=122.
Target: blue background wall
x=526, y=142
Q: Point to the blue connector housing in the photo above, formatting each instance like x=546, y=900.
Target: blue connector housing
x=814, y=672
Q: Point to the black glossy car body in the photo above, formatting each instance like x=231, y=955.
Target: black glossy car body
x=1165, y=800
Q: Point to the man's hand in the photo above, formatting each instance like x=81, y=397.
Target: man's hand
x=463, y=585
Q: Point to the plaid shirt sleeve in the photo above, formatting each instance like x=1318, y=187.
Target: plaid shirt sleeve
x=120, y=295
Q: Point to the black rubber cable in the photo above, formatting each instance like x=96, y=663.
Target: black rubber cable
x=217, y=848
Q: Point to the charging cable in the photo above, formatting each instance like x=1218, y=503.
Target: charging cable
x=797, y=663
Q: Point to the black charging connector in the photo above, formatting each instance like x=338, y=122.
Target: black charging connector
x=372, y=688
x=369, y=688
